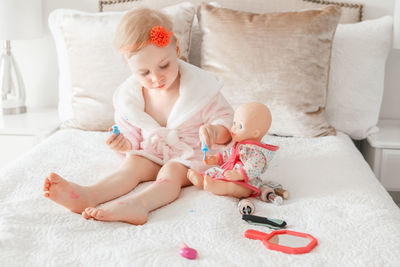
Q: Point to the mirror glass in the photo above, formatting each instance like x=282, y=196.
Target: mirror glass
x=289, y=240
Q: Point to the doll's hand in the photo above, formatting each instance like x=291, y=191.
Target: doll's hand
x=211, y=160
x=208, y=134
x=118, y=142
x=233, y=175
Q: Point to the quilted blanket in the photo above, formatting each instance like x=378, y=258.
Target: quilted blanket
x=334, y=196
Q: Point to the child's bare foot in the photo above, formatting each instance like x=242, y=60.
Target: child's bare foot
x=72, y=196
x=195, y=178
x=124, y=211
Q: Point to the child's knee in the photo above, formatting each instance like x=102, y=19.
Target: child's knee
x=175, y=173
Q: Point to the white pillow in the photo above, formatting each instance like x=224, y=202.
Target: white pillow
x=90, y=66
x=357, y=75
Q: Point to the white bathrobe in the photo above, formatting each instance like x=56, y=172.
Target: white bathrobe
x=199, y=102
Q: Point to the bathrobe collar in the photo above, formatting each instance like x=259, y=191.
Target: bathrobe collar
x=197, y=89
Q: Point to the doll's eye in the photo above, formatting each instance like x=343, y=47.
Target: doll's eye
x=240, y=126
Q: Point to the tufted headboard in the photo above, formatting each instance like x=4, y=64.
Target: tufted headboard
x=351, y=12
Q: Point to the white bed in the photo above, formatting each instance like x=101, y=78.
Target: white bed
x=334, y=196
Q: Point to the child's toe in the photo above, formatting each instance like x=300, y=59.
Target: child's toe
x=53, y=178
x=98, y=214
x=89, y=211
x=46, y=182
x=85, y=215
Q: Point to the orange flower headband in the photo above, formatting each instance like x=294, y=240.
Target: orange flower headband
x=158, y=36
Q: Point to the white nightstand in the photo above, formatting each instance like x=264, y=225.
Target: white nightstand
x=19, y=133
x=382, y=152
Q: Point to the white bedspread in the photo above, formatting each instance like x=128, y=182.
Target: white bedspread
x=334, y=196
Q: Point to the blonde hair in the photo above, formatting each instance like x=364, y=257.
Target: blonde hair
x=133, y=31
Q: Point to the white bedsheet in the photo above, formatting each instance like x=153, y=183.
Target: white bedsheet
x=334, y=196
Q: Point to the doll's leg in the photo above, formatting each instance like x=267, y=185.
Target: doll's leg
x=197, y=179
x=134, y=209
x=225, y=188
x=76, y=197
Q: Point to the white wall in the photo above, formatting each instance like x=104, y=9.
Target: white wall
x=38, y=65
x=391, y=97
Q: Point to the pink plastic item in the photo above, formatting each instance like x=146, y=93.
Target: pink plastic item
x=264, y=237
x=188, y=253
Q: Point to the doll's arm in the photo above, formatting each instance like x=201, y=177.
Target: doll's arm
x=254, y=166
x=224, y=156
x=234, y=175
x=219, y=158
x=212, y=160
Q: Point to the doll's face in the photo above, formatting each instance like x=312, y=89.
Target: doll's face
x=156, y=67
x=242, y=128
x=251, y=121
x=238, y=131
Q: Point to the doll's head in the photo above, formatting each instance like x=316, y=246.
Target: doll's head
x=251, y=121
x=145, y=39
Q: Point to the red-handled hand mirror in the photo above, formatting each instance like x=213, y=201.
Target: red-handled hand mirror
x=284, y=240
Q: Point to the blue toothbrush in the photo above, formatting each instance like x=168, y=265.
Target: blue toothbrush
x=204, y=148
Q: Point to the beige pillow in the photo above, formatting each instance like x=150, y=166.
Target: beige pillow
x=280, y=59
x=91, y=68
x=351, y=13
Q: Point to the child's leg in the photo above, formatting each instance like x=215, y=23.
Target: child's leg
x=134, y=170
x=75, y=197
x=225, y=188
x=134, y=209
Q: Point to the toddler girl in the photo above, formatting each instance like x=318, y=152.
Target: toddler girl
x=159, y=111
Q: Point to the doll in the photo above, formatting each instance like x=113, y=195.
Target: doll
x=239, y=169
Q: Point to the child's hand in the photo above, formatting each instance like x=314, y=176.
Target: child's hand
x=118, y=142
x=208, y=134
x=233, y=175
x=211, y=160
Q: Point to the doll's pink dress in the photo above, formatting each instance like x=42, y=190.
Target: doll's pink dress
x=251, y=158
x=199, y=102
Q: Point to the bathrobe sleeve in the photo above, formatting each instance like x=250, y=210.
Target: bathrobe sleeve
x=130, y=132
x=218, y=112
